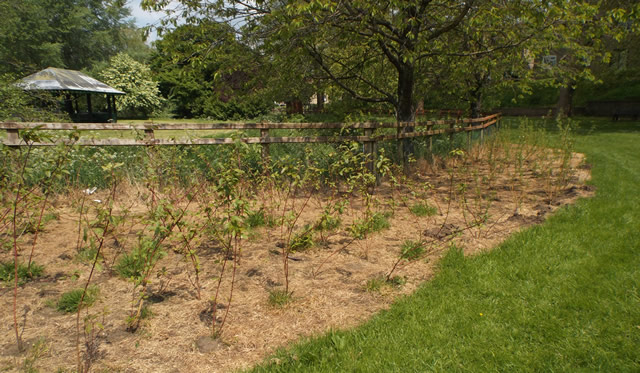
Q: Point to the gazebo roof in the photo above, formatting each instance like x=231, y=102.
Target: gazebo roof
x=55, y=79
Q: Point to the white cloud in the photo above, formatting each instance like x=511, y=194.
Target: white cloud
x=143, y=17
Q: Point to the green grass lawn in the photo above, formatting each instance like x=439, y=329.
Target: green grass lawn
x=563, y=296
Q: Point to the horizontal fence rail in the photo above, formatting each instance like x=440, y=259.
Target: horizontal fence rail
x=404, y=130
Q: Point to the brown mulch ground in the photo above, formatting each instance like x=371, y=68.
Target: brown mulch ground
x=175, y=338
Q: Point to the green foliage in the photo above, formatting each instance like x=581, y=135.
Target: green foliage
x=328, y=223
x=412, y=250
x=74, y=34
x=374, y=285
x=377, y=222
x=134, y=78
x=256, y=219
x=129, y=265
x=423, y=209
x=302, y=240
x=70, y=301
x=205, y=72
x=25, y=274
x=19, y=105
x=279, y=298
x=134, y=264
x=87, y=255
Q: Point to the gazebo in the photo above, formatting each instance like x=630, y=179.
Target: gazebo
x=74, y=84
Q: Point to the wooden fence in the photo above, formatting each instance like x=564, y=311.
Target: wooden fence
x=404, y=130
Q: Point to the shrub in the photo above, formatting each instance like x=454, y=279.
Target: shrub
x=412, y=250
x=302, y=240
x=377, y=222
x=130, y=265
x=279, y=298
x=423, y=209
x=259, y=218
x=327, y=223
x=70, y=301
x=374, y=285
x=7, y=271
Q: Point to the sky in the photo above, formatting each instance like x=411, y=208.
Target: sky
x=144, y=18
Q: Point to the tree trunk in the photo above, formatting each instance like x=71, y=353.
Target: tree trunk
x=320, y=101
x=565, y=100
x=476, y=105
x=405, y=110
x=294, y=107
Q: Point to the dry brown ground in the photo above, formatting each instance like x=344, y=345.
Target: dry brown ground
x=172, y=339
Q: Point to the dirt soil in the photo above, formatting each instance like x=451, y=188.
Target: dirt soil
x=329, y=291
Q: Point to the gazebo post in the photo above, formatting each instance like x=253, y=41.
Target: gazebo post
x=89, y=105
x=68, y=103
x=109, y=107
x=115, y=108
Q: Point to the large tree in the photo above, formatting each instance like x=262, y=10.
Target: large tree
x=74, y=34
x=205, y=71
x=379, y=50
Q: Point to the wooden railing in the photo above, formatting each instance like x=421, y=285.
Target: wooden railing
x=403, y=130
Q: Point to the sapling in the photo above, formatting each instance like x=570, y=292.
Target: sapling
x=163, y=216
x=290, y=215
x=454, y=155
x=104, y=217
x=53, y=172
x=226, y=223
x=17, y=184
x=410, y=252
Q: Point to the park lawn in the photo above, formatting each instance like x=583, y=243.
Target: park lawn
x=562, y=296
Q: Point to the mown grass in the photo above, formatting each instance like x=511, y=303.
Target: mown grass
x=562, y=296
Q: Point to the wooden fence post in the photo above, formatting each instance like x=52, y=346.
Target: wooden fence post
x=451, y=133
x=429, y=128
x=369, y=151
x=433, y=158
x=264, y=133
x=149, y=135
x=13, y=136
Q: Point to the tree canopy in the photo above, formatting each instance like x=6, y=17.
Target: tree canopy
x=73, y=34
x=389, y=52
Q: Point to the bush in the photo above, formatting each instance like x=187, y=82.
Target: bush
x=259, y=218
x=327, y=223
x=302, y=240
x=7, y=271
x=70, y=301
x=423, y=209
x=279, y=298
x=236, y=108
x=377, y=222
x=412, y=250
x=130, y=265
